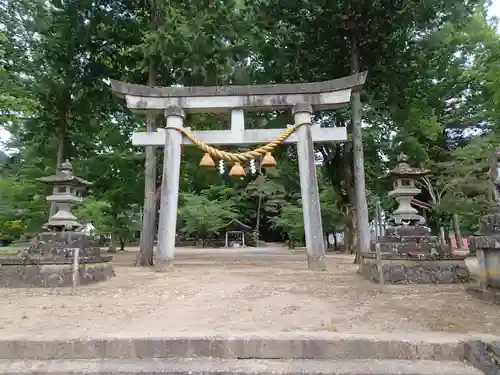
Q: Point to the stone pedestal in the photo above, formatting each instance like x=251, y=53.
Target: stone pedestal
x=487, y=250
x=60, y=247
x=410, y=241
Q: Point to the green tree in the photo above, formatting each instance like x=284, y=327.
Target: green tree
x=291, y=222
x=17, y=39
x=23, y=206
x=119, y=227
x=269, y=194
x=201, y=217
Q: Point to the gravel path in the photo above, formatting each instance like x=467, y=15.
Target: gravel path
x=241, y=290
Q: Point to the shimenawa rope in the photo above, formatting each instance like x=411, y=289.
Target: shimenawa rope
x=242, y=156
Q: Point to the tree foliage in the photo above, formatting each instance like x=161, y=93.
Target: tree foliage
x=199, y=216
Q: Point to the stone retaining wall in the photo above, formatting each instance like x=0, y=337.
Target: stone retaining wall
x=52, y=275
x=409, y=271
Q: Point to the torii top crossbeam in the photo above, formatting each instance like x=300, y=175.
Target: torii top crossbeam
x=321, y=95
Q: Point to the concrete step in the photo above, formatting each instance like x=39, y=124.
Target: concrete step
x=280, y=345
x=219, y=366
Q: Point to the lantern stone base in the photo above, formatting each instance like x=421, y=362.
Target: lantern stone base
x=411, y=241
x=487, y=249
x=395, y=269
x=59, y=247
x=50, y=275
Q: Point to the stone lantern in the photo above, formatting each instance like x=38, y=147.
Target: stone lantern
x=62, y=252
x=66, y=192
x=404, y=192
x=407, y=253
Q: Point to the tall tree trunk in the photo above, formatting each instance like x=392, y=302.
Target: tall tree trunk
x=257, y=221
x=353, y=238
x=114, y=239
x=442, y=234
x=259, y=205
x=350, y=239
x=146, y=245
x=379, y=221
x=60, y=146
x=347, y=232
x=59, y=158
x=362, y=222
x=458, y=232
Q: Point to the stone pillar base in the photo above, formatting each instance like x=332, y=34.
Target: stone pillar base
x=316, y=263
x=163, y=265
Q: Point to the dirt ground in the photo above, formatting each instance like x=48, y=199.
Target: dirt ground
x=241, y=290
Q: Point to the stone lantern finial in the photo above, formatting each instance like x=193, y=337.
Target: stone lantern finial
x=66, y=166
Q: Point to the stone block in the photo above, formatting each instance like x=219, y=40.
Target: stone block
x=407, y=231
x=490, y=223
x=485, y=242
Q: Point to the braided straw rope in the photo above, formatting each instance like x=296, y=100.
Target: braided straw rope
x=241, y=156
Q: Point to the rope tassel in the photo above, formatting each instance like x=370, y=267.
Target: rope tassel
x=237, y=171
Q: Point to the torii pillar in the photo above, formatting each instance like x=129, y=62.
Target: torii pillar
x=300, y=98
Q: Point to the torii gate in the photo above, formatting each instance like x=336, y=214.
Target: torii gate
x=301, y=98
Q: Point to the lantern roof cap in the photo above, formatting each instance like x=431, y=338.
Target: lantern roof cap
x=403, y=169
x=65, y=176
